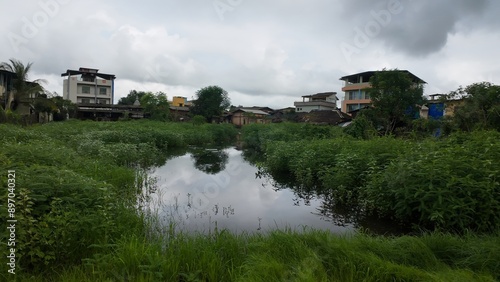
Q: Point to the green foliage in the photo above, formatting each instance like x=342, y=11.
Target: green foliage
x=481, y=107
x=64, y=108
x=156, y=106
x=294, y=256
x=198, y=120
x=394, y=97
x=361, y=127
x=210, y=102
x=256, y=136
x=77, y=182
x=449, y=184
x=131, y=97
x=78, y=221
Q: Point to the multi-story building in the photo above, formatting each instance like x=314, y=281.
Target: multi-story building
x=88, y=86
x=6, y=81
x=355, y=89
x=319, y=101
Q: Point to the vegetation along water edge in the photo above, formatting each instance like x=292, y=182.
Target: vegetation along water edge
x=78, y=185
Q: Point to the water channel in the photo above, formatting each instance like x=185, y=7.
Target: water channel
x=202, y=189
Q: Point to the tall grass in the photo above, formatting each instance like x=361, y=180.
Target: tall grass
x=286, y=255
x=76, y=182
x=77, y=193
x=449, y=185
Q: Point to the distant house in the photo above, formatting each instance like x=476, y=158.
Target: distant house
x=179, y=113
x=355, y=89
x=88, y=86
x=264, y=109
x=178, y=101
x=243, y=116
x=439, y=106
x=6, y=82
x=319, y=101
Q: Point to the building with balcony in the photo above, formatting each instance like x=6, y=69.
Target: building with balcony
x=355, y=89
x=88, y=86
x=318, y=102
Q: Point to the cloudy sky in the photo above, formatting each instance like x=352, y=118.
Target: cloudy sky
x=265, y=53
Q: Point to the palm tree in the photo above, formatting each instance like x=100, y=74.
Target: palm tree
x=22, y=88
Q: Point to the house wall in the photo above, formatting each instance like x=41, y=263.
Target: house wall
x=358, y=100
x=178, y=101
x=309, y=108
x=241, y=118
x=76, y=89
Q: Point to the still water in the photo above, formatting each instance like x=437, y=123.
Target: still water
x=203, y=189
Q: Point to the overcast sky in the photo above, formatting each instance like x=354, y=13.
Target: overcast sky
x=266, y=53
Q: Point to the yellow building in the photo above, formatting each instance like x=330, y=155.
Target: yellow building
x=178, y=101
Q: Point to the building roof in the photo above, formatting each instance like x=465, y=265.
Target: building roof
x=367, y=74
x=93, y=72
x=8, y=72
x=246, y=110
x=321, y=95
x=264, y=109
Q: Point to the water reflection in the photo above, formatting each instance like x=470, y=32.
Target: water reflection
x=211, y=161
x=205, y=189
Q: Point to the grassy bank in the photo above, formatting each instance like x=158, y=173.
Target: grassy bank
x=77, y=185
x=288, y=256
x=451, y=184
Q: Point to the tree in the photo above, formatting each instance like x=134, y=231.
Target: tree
x=65, y=108
x=395, y=96
x=481, y=106
x=156, y=105
x=211, y=102
x=210, y=162
x=22, y=88
x=132, y=96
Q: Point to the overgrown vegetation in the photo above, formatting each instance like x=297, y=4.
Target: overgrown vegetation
x=77, y=185
x=450, y=184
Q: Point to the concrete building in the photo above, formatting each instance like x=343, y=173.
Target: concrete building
x=355, y=91
x=244, y=116
x=178, y=101
x=6, y=81
x=88, y=86
x=319, y=101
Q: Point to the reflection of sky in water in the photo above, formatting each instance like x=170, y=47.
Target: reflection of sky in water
x=233, y=198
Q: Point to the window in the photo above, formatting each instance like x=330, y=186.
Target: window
x=85, y=101
x=102, y=91
x=86, y=89
x=367, y=95
x=102, y=101
x=352, y=95
x=352, y=107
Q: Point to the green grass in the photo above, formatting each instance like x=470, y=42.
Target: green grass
x=289, y=256
x=77, y=190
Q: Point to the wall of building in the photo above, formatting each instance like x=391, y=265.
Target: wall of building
x=77, y=87
x=309, y=108
x=242, y=118
x=178, y=101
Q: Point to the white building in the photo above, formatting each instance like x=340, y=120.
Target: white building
x=88, y=86
x=320, y=102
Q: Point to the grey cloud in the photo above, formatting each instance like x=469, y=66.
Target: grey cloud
x=422, y=27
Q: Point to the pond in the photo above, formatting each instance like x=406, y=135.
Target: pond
x=204, y=189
